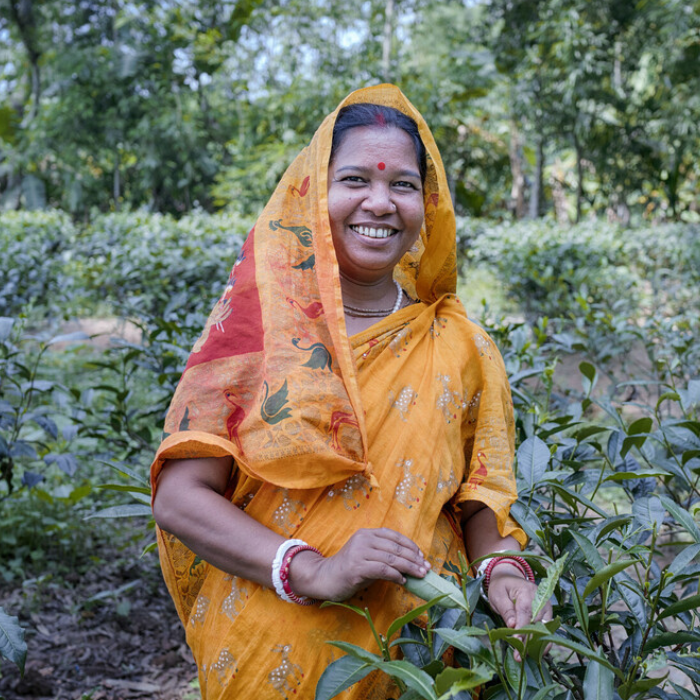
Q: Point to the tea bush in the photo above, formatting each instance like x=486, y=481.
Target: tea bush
x=546, y=267
x=34, y=248
x=607, y=467
x=609, y=505
x=142, y=262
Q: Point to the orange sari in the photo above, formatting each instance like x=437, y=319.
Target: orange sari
x=393, y=427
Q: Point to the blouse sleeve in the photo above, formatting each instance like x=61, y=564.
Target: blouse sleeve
x=489, y=435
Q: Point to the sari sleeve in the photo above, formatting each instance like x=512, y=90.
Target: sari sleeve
x=489, y=436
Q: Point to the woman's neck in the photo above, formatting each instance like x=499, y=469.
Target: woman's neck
x=375, y=295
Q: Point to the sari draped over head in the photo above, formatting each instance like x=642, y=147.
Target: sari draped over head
x=393, y=427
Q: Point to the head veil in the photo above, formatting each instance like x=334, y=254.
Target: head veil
x=272, y=379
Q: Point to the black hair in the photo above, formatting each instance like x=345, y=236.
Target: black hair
x=366, y=114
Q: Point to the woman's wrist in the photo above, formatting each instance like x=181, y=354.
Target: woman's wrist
x=303, y=574
x=499, y=569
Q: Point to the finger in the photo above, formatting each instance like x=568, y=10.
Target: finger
x=390, y=540
x=395, y=548
x=377, y=570
x=402, y=560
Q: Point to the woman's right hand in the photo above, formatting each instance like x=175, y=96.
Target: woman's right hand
x=369, y=555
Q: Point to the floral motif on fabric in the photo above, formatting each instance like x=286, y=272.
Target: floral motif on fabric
x=353, y=491
x=472, y=406
x=401, y=341
x=449, y=402
x=225, y=667
x=483, y=345
x=235, y=601
x=439, y=324
x=286, y=677
x=289, y=514
x=409, y=490
x=404, y=401
x=200, y=610
x=448, y=482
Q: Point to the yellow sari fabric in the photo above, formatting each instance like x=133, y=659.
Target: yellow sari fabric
x=393, y=427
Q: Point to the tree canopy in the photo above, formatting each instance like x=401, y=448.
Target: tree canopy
x=568, y=107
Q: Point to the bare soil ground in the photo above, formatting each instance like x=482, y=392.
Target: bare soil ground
x=122, y=646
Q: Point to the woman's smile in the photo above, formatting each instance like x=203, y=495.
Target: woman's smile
x=376, y=214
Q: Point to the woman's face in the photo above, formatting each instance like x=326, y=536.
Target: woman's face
x=375, y=201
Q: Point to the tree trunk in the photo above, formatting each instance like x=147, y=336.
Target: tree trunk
x=386, y=43
x=517, y=190
x=579, y=177
x=673, y=182
x=22, y=12
x=116, y=181
x=535, y=210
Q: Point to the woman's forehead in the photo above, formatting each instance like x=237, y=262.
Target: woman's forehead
x=382, y=142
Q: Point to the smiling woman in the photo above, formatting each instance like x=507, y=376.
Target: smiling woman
x=343, y=398
x=376, y=214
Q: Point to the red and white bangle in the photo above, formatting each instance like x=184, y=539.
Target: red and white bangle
x=280, y=570
x=515, y=561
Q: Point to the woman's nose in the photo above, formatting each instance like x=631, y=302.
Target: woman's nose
x=378, y=200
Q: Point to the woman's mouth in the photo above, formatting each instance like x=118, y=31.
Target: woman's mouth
x=374, y=232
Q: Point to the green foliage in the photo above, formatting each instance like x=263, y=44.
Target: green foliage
x=608, y=462
x=570, y=106
x=38, y=245
x=149, y=265
x=12, y=644
x=609, y=506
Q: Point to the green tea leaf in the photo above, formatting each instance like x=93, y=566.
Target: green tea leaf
x=358, y=652
x=606, y=573
x=683, y=692
x=546, y=587
x=681, y=517
x=397, y=624
x=665, y=639
x=131, y=510
x=686, y=556
x=548, y=690
x=432, y=586
x=413, y=677
x=462, y=678
x=533, y=458
x=598, y=683
x=341, y=674
x=589, y=377
x=12, y=644
x=464, y=639
x=691, y=603
x=583, y=651
x=635, y=687
x=592, y=555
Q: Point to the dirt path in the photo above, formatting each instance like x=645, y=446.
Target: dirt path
x=126, y=643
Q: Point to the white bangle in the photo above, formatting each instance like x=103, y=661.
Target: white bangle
x=482, y=567
x=277, y=565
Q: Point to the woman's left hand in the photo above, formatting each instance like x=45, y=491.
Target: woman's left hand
x=511, y=596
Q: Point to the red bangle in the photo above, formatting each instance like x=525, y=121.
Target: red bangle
x=518, y=562
x=284, y=574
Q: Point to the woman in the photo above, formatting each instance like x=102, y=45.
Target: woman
x=338, y=397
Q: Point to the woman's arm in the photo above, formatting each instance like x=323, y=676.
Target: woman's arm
x=189, y=503
x=510, y=595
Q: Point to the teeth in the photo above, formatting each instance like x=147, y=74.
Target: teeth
x=373, y=232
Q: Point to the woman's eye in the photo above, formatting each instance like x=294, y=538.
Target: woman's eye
x=404, y=183
x=353, y=178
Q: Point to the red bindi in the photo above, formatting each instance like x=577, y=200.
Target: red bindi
x=381, y=166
